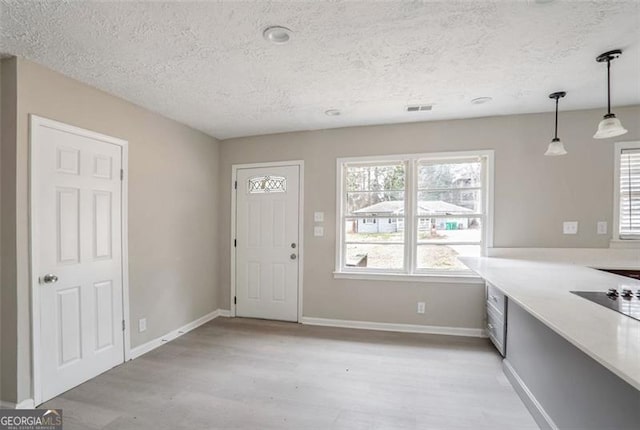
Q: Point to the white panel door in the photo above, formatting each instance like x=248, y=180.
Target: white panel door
x=267, y=242
x=77, y=225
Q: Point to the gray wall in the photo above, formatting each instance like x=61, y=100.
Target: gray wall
x=1, y=121
x=173, y=209
x=533, y=195
x=8, y=314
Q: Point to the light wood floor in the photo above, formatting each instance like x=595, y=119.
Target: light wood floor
x=235, y=373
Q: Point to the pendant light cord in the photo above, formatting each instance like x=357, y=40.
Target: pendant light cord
x=556, y=135
x=630, y=192
x=609, y=87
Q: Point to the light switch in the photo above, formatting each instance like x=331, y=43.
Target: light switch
x=318, y=231
x=602, y=227
x=570, y=227
x=318, y=216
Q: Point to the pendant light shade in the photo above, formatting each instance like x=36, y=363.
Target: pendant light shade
x=610, y=126
x=556, y=147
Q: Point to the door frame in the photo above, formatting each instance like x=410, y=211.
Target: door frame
x=36, y=121
x=234, y=174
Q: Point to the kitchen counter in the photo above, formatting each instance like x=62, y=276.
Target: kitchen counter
x=543, y=290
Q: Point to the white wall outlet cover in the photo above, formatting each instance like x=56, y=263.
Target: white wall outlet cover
x=602, y=227
x=421, y=307
x=142, y=325
x=318, y=231
x=570, y=227
x=318, y=216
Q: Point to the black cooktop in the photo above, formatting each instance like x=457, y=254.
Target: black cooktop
x=625, y=301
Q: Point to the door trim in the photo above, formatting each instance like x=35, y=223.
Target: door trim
x=234, y=171
x=35, y=122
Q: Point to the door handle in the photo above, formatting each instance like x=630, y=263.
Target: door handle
x=49, y=278
x=293, y=256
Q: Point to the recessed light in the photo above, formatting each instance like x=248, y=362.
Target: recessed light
x=332, y=112
x=277, y=34
x=481, y=100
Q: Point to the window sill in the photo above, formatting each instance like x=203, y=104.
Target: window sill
x=625, y=244
x=457, y=278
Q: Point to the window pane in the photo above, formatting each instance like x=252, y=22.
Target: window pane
x=267, y=184
x=376, y=256
x=443, y=257
x=368, y=203
x=463, y=174
x=446, y=230
x=379, y=177
x=374, y=229
x=447, y=198
x=458, y=201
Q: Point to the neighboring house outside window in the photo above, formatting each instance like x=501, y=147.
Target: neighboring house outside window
x=627, y=194
x=413, y=214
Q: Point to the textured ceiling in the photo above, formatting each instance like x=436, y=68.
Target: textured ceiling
x=206, y=64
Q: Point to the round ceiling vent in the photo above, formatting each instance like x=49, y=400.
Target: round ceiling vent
x=277, y=34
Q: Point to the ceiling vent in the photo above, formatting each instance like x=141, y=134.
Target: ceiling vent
x=419, y=108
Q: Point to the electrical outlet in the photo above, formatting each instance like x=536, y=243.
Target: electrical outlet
x=318, y=231
x=421, y=307
x=318, y=216
x=570, y=227
x=602, y=227
x=142, y=325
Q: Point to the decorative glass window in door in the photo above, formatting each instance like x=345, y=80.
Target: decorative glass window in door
x=267, y=184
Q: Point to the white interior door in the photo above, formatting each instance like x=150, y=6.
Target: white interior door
x=267, y=251
x=77, y=254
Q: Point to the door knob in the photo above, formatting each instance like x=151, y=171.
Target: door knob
x=49, y=278
x=293, y=256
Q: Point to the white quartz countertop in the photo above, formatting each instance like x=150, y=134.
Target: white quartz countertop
x=543, y=290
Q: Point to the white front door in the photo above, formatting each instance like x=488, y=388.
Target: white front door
x=77, y=254
x=267, y=243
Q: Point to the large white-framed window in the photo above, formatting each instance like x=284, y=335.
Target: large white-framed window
x=412, y=215
x=626, y=218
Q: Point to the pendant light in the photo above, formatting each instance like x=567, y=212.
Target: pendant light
x=610, y=126
x=556, y=147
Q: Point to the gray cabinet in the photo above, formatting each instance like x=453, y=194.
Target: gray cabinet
x=562, y=386
x=496, y=317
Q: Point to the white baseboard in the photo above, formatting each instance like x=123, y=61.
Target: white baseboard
x=535, y=408
x=224, y=313
x=153, y=344
x=25, y=404
x=404, y=328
